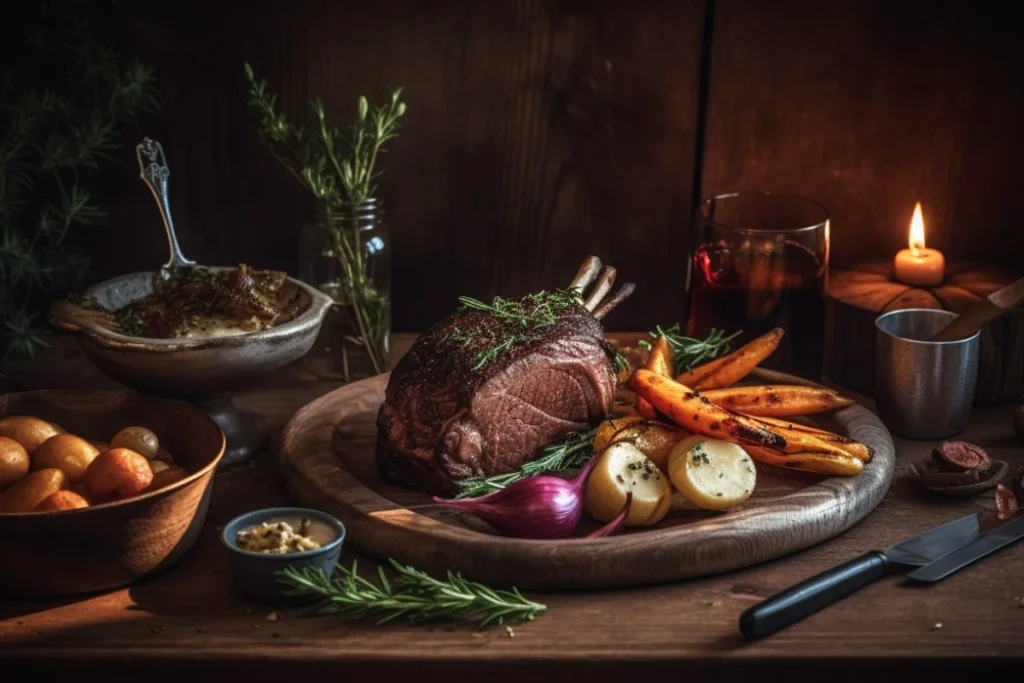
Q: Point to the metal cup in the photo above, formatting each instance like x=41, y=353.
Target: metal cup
x=923, y=389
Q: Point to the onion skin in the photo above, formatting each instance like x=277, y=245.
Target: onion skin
x=615, y=526
x=541, y=507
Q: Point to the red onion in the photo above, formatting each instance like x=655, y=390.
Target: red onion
x=615, y=526
x=544, y=506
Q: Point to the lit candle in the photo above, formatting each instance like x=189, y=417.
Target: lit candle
x=918, y=266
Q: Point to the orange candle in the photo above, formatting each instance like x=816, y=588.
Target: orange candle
x=919, y=266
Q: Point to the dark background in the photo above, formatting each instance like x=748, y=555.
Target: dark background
x=541, y=131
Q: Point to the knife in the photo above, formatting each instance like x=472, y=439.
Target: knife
x=807, y=597
x=1002, y=536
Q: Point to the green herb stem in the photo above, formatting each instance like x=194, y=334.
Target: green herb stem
x=410, y=595
x=690, y=352
x=564, y=458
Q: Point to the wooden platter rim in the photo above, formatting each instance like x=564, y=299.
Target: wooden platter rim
x=383, y=528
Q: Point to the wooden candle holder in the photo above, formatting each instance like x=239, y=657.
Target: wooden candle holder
x=855, y=297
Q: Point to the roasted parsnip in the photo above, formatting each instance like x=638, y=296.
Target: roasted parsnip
x=735, y=366
x=779, y=400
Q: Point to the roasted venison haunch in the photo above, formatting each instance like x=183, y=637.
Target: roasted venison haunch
x=482, y=390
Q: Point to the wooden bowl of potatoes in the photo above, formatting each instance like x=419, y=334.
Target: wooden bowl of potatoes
x=99, y=488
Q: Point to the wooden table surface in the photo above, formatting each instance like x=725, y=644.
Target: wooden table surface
x=188, y=621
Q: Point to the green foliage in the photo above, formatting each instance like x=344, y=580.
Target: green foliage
x=410, y=595
x=690, y=352
x=63, y=96
x=337, y=165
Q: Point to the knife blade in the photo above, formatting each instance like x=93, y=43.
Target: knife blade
x=998, y=538
x=817, y=592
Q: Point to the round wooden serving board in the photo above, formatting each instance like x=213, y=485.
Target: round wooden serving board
x=326, y=460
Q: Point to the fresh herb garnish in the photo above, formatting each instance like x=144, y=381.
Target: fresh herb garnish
x=622, y=363
x=564, y=458
x=531, y=313
x=410, y=595
x=128, y=322
x=690, y=352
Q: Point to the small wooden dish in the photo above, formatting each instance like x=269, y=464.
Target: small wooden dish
x=105, y=546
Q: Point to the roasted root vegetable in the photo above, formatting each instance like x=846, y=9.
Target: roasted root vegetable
x=733, y=367
x=653, y=439
x=858, y=450
x=661, y=360
x=778, y=401
x=698, y=415
x=622, y=469
x=712, y=474
x=819, y=463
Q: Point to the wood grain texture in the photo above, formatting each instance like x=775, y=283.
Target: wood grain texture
x=189, y=622
x=868, y=107
x=857, y=296
x=538, y=131
x=327, y=461
x=113, y=544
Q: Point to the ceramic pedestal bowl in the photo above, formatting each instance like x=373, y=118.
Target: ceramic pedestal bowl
x=113, y=544
x=197, y=369
x=190, y=367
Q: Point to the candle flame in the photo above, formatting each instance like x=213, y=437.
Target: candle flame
x=917, y=231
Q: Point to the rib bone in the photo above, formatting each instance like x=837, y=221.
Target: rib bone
x=620, y=295
x=586, y=274
x=603, y=286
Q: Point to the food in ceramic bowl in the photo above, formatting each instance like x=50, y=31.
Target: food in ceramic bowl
x=212, y=328
x=126, y=516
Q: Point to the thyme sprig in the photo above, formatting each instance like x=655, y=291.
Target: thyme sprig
x=410, y=595
x=338, y=167
x=531, y=313
x=690, y=352
x=564, y=458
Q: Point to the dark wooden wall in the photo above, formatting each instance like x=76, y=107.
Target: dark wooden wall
x=541, y=131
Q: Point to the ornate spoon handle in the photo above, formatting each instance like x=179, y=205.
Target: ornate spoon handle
x=153, y=171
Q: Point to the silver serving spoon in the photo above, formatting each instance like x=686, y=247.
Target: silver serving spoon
x=154, y=172
x=241, y=429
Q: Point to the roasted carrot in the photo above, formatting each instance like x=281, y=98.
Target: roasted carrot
x=820, y=463
x=862, y=452
x=779, y=400
x=732, y=368
x=661, y=360
x=698, y=415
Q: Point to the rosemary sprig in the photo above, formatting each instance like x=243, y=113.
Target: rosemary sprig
x=564, y=458
x=690, y=352
x=410, y=595
x=622, y=363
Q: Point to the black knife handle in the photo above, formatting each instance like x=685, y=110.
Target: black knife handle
x=807, y=597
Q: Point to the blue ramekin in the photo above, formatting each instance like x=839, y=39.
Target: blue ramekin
x=255, y=574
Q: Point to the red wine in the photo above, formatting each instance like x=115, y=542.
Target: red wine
x=755, y=290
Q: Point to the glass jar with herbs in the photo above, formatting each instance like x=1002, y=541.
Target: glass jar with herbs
x=345, y=251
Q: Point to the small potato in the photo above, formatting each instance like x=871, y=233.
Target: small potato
x=14, y=462
x=62, y=500
x=138, y=439
x=622, y=468
x=164, y=456
x=118, y=473
x=654, y=439
x=32, y=490
x=712, y=474
x=30, y=432
x=158, y=466
x=607, y=429
x=170, y=475
x=100, y=445
x=70, y=454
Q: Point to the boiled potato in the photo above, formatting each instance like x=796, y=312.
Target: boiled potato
x=30, y=432
x=622, y=468
x=118, y=473
x=70, y=454
x=33, y=489
x=138, y=439
x=62, y=500
x=653, y=439
x=710, y=473
x=170, y=474
x=14, y=462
